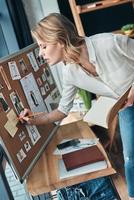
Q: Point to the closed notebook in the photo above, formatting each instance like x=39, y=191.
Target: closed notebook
x=82, y=157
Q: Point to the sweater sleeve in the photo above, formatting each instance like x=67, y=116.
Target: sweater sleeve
x=125, y=45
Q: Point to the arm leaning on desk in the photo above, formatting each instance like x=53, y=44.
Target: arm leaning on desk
x=45, y=175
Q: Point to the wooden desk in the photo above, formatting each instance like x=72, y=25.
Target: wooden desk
x=45, y=175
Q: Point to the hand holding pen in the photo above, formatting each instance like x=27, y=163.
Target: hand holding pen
x=31, y=118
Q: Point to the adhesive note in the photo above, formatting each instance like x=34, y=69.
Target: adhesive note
x=12, y=117
x=11, y=129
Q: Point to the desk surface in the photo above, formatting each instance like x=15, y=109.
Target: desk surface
x=45, y=175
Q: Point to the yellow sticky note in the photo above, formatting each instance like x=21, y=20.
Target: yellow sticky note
x=12, y=130
x=12, y=117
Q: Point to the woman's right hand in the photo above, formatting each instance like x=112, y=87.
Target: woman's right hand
x=26, y=117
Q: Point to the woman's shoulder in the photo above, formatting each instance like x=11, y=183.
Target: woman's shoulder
x=100, y=36
x=104, y=34
x=107, y=36
x=102, y=40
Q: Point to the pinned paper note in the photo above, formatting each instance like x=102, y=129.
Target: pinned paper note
x=10, y=125
x=33, y=61
x=33, y=134
x=4, y=76
x=21, y=155
x=11, y=129
x=14, y=70
x=12, y=117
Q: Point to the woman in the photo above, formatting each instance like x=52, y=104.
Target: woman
x=102, y=64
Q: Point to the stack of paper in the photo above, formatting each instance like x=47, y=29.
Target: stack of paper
x=81, y=170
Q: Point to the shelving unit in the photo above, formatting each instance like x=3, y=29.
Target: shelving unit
x=121, y=32
x=80, y=9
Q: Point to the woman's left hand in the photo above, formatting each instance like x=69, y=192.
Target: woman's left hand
x=130, y=98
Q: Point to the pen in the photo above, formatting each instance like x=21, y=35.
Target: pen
x=26, y=118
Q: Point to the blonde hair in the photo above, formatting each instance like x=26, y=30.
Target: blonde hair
x=57, y=28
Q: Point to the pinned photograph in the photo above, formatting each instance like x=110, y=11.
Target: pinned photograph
x=33, y=134
x=39, y=81
x=27, y=146
x=16, y=102
x=22, y=135
x=55, y=94
x=40, y=59
x=33, y=61
x=47, y=88
x=43, y=92
x=21, y=155
x=23, y=66
x=43, y=77
x=51, y=105
x=15, y=74
x=3, y=103
x=48, y=75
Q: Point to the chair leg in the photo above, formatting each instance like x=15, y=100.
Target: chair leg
x=112, y=132
x=118, y=196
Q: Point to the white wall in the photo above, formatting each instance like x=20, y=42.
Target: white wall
x=49, y=6
x=35, y=11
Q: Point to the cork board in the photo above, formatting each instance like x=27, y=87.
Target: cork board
x=25, y=82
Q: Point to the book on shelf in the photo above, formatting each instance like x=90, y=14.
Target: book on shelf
x=82, y=157
x=104, y=110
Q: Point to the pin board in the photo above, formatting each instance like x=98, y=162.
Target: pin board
x=26, y=81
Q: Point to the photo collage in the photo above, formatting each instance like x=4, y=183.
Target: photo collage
x=40, y=91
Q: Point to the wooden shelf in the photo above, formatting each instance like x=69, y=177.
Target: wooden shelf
x=99, y=5
x=80, y=9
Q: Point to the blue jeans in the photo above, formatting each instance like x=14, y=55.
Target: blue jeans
x=1, y=154
x=96, y=189
x=45, y=196
x=126, y=123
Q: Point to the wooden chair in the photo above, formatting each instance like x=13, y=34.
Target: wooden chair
x=107, y=135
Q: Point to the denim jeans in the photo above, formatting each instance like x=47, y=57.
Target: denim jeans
x=1, y=154
x=126, y=123
x=45, y=196
x=96, y=189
